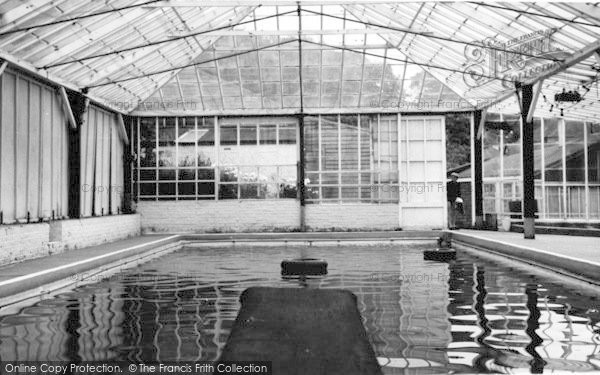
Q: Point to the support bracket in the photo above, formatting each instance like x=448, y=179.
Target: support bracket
x=121, y=129
x=66, y=106
x=3, y=67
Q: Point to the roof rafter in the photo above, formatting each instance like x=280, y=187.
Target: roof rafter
x=237, y=18
x=115, y=64
x=29, y=8
x=93, y=37
x=435, y=74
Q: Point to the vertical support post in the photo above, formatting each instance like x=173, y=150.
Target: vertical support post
x=128, y=160
x=472, y=159
x=527, y=105
x=478, y=175
x=78, y=105
x=302, y=161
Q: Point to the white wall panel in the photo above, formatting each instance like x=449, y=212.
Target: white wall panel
x=45, y=155
x=33, y=168
x=33, y=140
x=101, y=164
x=21, y=156
x=7, y=148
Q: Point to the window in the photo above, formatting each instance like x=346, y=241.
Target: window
x=287, y=134
x=248, y=135
x=228, y=135
x=268, y=134
x=178, y=158
x=350, y=158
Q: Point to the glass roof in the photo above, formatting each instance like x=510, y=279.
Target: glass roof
x=235, y=56
x=270, y=79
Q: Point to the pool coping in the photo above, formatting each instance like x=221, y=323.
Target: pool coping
x=580, y=269
x=32, y=278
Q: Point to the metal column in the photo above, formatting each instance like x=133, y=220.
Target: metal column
x=528, y=161
x=302, y=161
x=478, y=177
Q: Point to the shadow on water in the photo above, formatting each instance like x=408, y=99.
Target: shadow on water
x=537, y=363
x=72, y=326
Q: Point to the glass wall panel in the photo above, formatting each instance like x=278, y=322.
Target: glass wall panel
x=147, y=152
x=593, y=167
x=268, y=134
x=166, y=142
x=593, y=136
x=491, y=147
x=329, y=133
x=574, y=149
x=252, y=163
x=228, y=135
x=511, y=134
x=287, y=133
x=553, y=145
x=554, y=202
x=352, y=158
x=566, y=168
x=248, y=134
x=537, y=148
x=349, y=152
x=186, y=154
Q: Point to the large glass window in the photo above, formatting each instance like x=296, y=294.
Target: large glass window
x=553, y=145
x=352, y=158
x=593, y=166
x=179, y=159
x=566, y=163
x=574, y=150
x=491, y=146
x=511, y=143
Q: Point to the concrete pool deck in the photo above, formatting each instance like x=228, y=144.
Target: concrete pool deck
x=575, y=256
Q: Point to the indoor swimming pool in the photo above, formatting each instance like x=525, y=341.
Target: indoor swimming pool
x=476, y=314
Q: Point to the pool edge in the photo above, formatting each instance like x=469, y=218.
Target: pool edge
x=46, y=281
x=580, y=269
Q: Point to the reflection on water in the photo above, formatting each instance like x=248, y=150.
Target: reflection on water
x=422, y=317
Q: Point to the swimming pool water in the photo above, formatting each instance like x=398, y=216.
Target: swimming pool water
x=475, y=314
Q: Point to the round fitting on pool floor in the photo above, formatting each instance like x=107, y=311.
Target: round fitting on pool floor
x=439, y=254
x=304, y=266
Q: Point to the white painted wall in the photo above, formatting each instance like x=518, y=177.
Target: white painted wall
x=219, y=216
x=355, y=216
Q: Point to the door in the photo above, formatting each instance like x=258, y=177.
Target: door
x=422, y=156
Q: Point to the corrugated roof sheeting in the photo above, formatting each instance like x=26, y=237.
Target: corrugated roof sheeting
x=357, y=54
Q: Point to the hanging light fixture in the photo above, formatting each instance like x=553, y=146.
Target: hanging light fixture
x=570, y=96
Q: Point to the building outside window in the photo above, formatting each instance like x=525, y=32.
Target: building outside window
x=566, y=168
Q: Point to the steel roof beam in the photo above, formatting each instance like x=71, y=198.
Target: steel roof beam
x=27, y=8
x=294, y=33
x=237, y=18
x=93, y=37
x=264, y=3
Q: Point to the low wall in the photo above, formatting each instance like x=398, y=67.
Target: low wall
x=261, y=216
x=91, y=231
x=221, y=216
x=352, y=216
x=19, y=242
x=23, y=241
